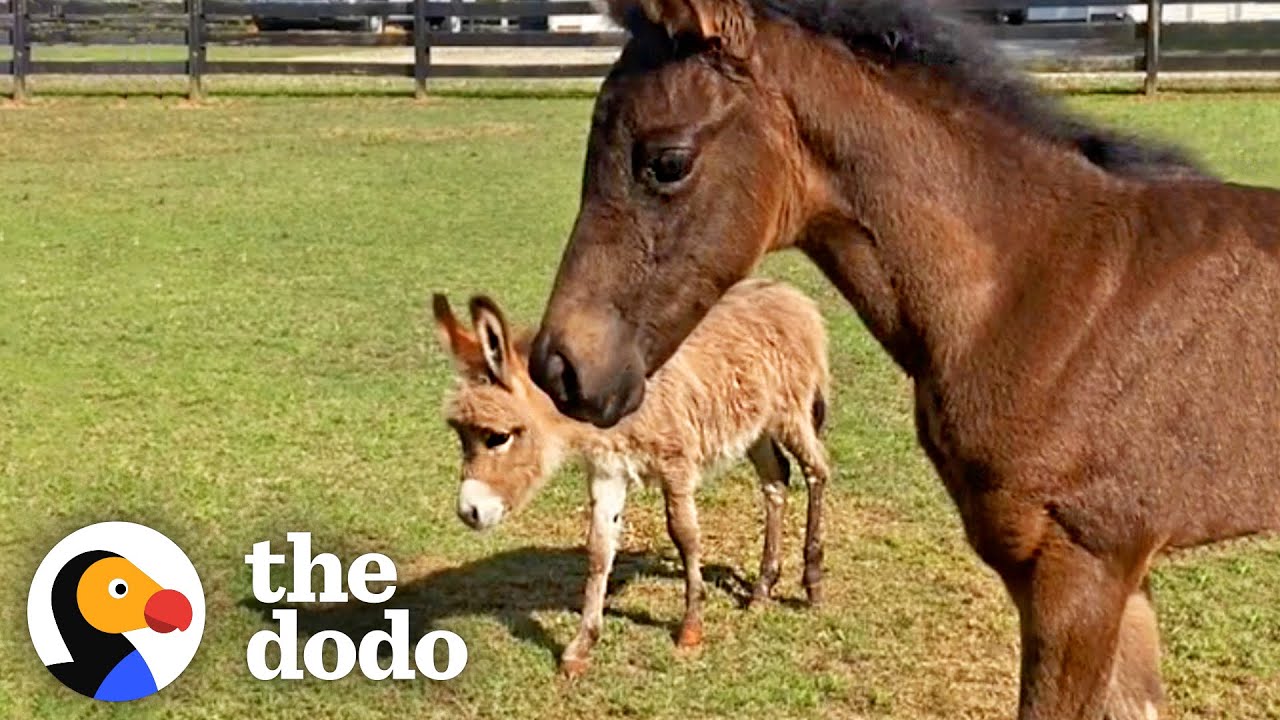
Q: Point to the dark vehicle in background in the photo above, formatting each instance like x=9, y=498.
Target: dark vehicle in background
x=377, y=23
x=333, y=19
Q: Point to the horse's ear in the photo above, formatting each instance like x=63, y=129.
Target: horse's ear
x=617, y=10
x=726, y=24
x=457, y=341
x=495, y=342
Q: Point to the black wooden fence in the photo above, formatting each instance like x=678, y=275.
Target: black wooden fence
x=200, y=24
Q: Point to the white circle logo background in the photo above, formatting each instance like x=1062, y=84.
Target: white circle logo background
x=154, y=554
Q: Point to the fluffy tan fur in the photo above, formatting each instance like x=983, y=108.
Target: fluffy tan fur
x=752, y=378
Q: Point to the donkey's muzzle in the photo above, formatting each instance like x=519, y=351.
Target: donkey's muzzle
x=600, y=388
x=478, y=506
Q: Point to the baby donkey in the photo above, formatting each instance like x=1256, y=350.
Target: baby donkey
x=751, y=379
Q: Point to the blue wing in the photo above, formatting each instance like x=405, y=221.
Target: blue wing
x=130, y=679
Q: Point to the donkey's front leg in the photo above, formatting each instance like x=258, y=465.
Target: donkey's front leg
x=682, y=524
x=608, y=496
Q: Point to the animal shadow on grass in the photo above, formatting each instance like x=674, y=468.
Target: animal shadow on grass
x=510, y=586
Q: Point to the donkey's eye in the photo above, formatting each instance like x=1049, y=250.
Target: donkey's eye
x=495, y=440
x=669, y=165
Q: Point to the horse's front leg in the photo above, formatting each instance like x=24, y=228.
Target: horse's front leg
x=1136, y=692
x=1071, y=604
x=608, y=497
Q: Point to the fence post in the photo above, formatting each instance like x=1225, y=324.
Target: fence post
x=195, y=49
x=1154, y=20
x=21, y=49
x=421, y=51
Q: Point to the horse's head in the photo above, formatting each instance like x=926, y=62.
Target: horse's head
x=729, y=128
x=685, y=187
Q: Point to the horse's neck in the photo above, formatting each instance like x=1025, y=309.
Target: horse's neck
x=928, y=224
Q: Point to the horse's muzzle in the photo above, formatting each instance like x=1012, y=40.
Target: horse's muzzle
x=599, y=387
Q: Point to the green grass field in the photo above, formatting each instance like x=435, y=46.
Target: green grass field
x=213, y=321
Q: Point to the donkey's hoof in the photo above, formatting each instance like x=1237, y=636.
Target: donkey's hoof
x=573, y=668
x=690, y=636
x=815, y=596
x=758, y=601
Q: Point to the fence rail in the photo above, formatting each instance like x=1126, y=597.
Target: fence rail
x=1149, y=46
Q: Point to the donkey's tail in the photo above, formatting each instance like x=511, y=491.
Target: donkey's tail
x=819, y=410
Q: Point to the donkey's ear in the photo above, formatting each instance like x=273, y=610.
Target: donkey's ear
x=455, y=339
x=725, y=24
x=495, y=343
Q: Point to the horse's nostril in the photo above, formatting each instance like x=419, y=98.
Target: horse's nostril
x=553, y=376
x=569, y=386
x=554, y=373
x=546, y=373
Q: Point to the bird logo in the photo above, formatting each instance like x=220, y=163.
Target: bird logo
x=115, y=611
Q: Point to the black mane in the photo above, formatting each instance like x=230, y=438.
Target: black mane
x=918, y=33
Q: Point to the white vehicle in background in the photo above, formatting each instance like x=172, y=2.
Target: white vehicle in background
x=579, y=23
x=1053, y=13
x=1086, y=13
x=582, y=23
x=1137, y=12
x=1210, y=12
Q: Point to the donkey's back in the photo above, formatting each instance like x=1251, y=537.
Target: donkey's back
x=754, y=366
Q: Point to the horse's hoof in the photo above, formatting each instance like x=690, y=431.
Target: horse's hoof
x=573, y=668
x=815, y=596
x=690, y=636
x=757, y=602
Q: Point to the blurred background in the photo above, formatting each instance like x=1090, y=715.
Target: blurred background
x=188, y=41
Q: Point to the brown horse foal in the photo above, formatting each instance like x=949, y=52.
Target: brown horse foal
x=751, y=377
x=1091, y=323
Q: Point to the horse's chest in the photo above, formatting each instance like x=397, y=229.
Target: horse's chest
x=937, y=434
x=1003, y=518
x=946, y=440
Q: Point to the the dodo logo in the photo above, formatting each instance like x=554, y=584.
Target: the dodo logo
x=116, y=611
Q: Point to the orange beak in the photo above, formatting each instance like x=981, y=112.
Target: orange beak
x=167, y=610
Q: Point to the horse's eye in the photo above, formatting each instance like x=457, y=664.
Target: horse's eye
x=670, y=165
x=495, y=440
